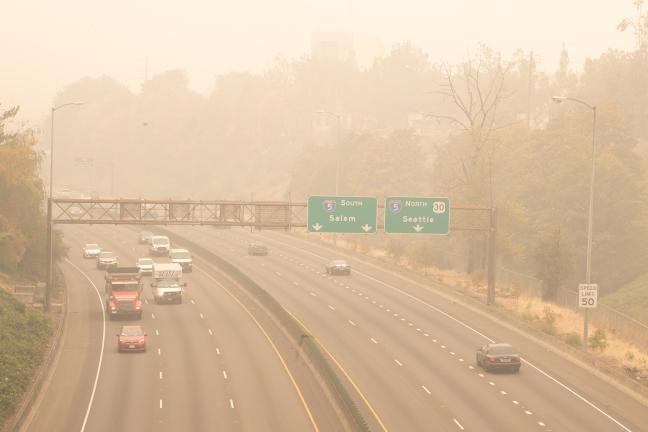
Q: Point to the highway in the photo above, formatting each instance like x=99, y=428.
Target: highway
x=208, y=366
x=410, y=351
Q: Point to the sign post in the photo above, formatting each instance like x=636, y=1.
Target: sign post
x=342, y=214
x=587, y=295
x=409, y=215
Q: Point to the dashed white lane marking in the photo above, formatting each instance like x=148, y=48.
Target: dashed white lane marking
x=193, y=302
x=232, y=403
x=516, y=402
x=418, y=329
x=460, y=359
x=202, y=316
x=443, y=346
x=452, y=353
x=381, y=306
x=395, y=314
x=210, y=332
x=295, y=283
x=434, y=340
x=352, y=323
x=277, y=273
x=224, y=374
x=480, y=375
x=157, y=333
x=153, y=315
x=373, y=340
x=331, y=307
x=160, y=403
x=527, y=412
x=410, y=324
x=541, y=424
x=387, y=310
x=402, y=319
x=398, y=362
x=503, y=392
x=426, y=390
x=146, y=301
x=217, y=351
x=159, y=352
x=491, y=383
x=313, y=294
x=425, y=334
x=160, y=374
x=458, y=424
x=471, y=367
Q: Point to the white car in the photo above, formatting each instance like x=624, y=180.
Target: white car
x=91, y=250
x=144, y=265
x=182, y=257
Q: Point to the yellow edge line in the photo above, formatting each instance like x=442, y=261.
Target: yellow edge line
x=357, y=389
x=274, y=347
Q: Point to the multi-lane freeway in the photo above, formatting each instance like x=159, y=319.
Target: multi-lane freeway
x=405, y=351
x=208, y=366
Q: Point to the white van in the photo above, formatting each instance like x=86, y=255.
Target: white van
x=160, y=245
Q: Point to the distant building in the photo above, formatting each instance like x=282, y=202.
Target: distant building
x=330, y=47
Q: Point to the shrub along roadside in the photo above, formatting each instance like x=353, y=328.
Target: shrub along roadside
x=24, y=336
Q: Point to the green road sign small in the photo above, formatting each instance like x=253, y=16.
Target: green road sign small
x=409, y=215
x=342, y=214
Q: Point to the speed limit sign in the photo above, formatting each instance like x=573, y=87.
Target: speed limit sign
x=587, y=295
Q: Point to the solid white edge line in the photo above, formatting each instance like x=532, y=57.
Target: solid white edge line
x=103, y=343
x=458, y=424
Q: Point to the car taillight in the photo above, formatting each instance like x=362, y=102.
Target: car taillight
x=516, y=360
x=492, y=359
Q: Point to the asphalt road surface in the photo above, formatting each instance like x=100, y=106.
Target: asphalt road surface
x=411, y=352
x=208, y=366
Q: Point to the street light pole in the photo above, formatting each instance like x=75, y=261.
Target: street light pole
x=50, y=243
x=590, y=215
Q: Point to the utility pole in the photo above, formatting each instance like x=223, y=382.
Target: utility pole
x=530, y=89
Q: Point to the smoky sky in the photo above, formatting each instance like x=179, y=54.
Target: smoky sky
x=48, y=44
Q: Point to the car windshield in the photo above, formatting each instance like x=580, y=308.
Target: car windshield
x=132, y=331
x=339, y=263
x=181, y=255
x=127, y=286
x=106, y=255
x=145, y=261
x=160, y=241
x=92, y=246
x=501, y=350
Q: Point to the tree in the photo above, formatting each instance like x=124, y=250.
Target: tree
x=22, y=221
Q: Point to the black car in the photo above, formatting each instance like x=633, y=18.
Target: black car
x=257, y=249
x=498, y=356
x=338, y=267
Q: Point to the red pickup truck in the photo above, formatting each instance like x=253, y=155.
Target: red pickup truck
x=123, y=290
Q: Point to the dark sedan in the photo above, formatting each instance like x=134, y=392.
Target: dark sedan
x=257, y=249
x=338, y=267
x=498, y=356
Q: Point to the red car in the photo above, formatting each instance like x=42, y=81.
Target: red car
x=131, y=338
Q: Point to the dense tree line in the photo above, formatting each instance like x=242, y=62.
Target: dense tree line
x=22, y=217
x=483, y=132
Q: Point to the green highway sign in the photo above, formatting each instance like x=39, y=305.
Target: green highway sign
x=408, y=215
x=342, y=214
